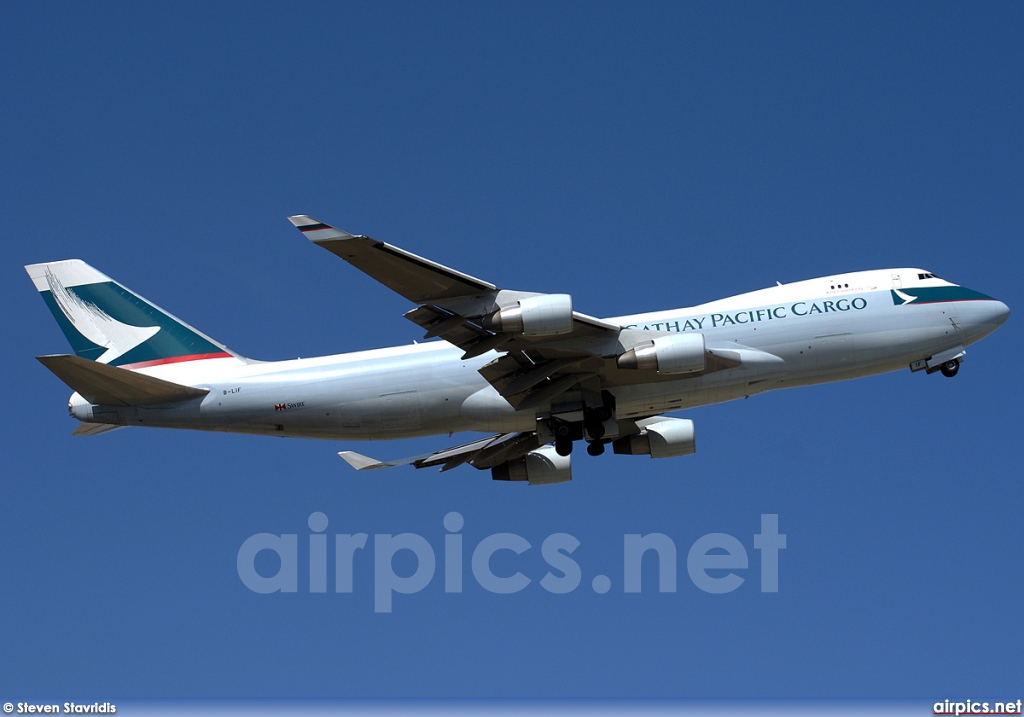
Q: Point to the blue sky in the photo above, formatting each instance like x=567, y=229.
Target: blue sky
x=637, y=157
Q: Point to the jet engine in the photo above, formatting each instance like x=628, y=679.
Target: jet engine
x=677, y=353
x=659, y=438
x=539, y=467
x=545, y=315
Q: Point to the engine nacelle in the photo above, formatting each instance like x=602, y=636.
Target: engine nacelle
x=678, y=353
x=545, y=315
x=659, y=438
x=540, y=467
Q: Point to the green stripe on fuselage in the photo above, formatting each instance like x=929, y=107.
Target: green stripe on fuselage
x=936, y=294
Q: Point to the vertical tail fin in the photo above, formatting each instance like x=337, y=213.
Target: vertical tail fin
x=108, y=323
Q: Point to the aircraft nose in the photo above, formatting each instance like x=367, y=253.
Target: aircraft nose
x=989, y=315
x=1000, y=313
x=980, y=318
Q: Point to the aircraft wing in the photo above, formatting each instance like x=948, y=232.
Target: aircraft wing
x=546, y=347
x=536, y=366
x=417, y=279
x=484, y=453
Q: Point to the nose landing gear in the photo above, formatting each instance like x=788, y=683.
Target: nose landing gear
x=950, y=368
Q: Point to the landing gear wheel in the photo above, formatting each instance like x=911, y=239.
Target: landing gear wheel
x=595, y=449
x=950, y=368
x=563, y=446
x=593, y=421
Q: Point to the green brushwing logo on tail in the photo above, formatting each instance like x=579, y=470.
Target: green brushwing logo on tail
x=105, y=322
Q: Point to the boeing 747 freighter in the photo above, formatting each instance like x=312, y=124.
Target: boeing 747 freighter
x=525, y=368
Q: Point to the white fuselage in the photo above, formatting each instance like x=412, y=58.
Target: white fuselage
x=808, y=332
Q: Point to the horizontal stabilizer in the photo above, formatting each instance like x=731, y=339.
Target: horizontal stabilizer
x=111, y=386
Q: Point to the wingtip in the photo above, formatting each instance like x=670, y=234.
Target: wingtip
x=316, y=230
x=359, y=461
x=94, y=429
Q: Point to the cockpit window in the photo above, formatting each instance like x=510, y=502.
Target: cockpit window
x=926, y=276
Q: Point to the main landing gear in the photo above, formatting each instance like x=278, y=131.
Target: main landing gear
x=591, y=428
x=950, y=368
x=563, y=439
x=563, y=447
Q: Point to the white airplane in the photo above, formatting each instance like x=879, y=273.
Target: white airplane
x=525, y=368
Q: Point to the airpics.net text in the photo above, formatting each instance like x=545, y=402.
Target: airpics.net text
x=714, y=562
